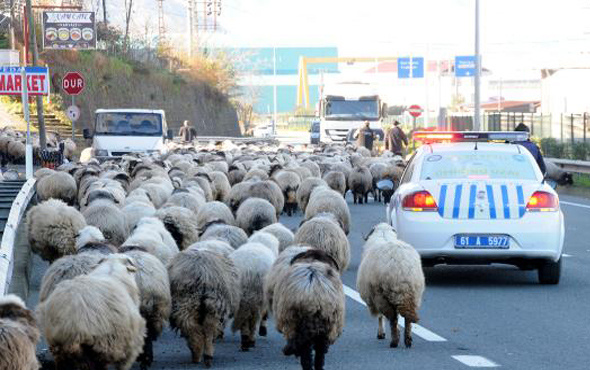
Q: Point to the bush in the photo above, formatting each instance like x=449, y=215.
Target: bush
x=580, y=151
x=552, y=148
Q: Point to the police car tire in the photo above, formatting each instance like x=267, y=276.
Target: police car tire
x=550, y=272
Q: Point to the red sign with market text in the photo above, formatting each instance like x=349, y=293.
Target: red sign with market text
x=11, y=80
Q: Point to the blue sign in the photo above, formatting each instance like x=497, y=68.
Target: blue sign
x=465, y=66
x=410, y=67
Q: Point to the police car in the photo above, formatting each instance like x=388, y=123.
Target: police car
x=479, y=198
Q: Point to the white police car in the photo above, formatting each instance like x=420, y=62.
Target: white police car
x=465, y=198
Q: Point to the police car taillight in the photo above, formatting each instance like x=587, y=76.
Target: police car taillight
x=419, y=201
x=466, y=136
x=542, y=201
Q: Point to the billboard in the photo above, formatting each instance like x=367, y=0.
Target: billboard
x=69, y=30
x=410, y=67
x=11, y=80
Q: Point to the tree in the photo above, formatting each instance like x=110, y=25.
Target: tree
x=128, y=6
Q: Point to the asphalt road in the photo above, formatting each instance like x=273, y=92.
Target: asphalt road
x=494, y=315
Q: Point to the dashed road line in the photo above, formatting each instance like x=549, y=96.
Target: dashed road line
x=566, y=255
x=475, y=361
x=419, y=330
x=574, y=204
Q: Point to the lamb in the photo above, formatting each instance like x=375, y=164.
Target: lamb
x=205, y=292
x=360, y=182
x=18, y=335
x=52, y=227
x=327, y=200
x=305, y=189
x=214, y=211
x=106, y=216
x=233, y=235
x=323, y=232
x=181, y=224
x=309, y=307
x=254, y=214
x=282, y=233
x=289, y=182
x=391, y=281
x=154, y=297
x=94, y=320
x=336, y=180
x=57, y=185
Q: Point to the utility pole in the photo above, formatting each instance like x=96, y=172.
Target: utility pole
x=33, y=40
x=274, y=90
x=12, y=24
x=477, y=98
x=104, y=12
x=161, y=25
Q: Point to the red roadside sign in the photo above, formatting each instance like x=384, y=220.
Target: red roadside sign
x=415, y=110
x=73, y=83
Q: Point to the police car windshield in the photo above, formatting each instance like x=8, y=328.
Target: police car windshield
x=477, y=165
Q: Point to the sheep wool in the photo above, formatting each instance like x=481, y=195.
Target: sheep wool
x=18, y=335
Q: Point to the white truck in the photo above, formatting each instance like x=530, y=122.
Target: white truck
x=123, y=131
x=345, y=106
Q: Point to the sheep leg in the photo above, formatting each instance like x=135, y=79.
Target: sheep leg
x=262, y=331
x=408, y=333
x=306, y=357
x=147, y=357
x=366, y=198
x=321, y=348
x=209, y=349
x=394, y=330
x=381, y=330
x=195, y=343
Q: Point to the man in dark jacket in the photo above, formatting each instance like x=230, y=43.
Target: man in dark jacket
x=365, y=136
x=396, y=139
x=531, y=147
x=187, y=133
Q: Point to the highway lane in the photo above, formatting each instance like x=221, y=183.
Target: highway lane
x=497, y=312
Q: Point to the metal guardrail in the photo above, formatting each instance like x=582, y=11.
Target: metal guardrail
x=17, y=210
x=571, y=165
x=243, y=139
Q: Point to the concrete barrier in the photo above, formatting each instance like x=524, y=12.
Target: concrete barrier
x=17, y=211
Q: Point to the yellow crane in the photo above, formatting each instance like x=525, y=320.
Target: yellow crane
x=303, y=83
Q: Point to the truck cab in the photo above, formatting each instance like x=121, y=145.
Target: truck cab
x=346, y=106
x=123, y=131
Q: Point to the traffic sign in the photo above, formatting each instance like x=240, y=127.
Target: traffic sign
x=415, y=110
x=73, y=112
x=410, y=67
x=465, y=66
x=73, y=83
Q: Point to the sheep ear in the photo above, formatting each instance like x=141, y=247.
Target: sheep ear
x=369, y=234
x=131, y=267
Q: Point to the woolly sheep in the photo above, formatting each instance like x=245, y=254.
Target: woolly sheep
x=336, y=180
x=326, y=200
x=151, y=234
x=253, y=261
x=235, y=175
x=57, y=185
x=305, y=189
x=52, y=228
x=135, y=211
x=187, y=199
x=309, y=307
x=214, y=245
x=313, y=168
x=233, y=235
x=391, y=281
x=219, y=185
x=214, y=211
x=323, y=232
x=267, y=239
x=282, y=233
x=254, y=214
x=289, y=182
x=18, y=335
x=360, y=182
x=154, y=297
x=182, y=225
x=255, y=173
x=205, y=292
x=107, y=217
x=109, y=330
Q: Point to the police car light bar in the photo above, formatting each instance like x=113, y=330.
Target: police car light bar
x=462, y=136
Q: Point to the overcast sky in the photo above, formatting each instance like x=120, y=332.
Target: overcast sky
x=515, y=34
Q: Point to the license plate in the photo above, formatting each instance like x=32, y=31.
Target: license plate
x=482, y=241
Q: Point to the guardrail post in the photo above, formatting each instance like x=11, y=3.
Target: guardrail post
x=561, y=123
x=532, y=124
x=572, y=128
x=584, y=127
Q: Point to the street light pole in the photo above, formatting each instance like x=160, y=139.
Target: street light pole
x=477, y=80
x=274, y=90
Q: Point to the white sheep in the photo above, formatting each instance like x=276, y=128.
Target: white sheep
x=391, y=281
x=18, y=335
x=254, y=214
x=57, y=185
x=326, y=200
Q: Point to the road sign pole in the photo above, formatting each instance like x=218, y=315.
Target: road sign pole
x=477, y=118
x=73, y=121
x=28, y=145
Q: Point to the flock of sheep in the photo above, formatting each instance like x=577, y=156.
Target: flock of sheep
x=192, y=239
x=13, y=148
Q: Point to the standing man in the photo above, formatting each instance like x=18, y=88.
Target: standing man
x=531, y=147
x=396, y=139
x=365, y=136
x=187, y=133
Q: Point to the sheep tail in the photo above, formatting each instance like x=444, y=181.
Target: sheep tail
x=407, y=308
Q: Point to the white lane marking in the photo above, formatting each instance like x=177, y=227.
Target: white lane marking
x=420, y=331
x=475, y=361
x=574, y=204
x=566, y=255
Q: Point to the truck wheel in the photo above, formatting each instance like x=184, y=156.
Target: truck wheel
x=550, y=272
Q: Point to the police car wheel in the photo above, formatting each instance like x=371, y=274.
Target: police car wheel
x=550, y=272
